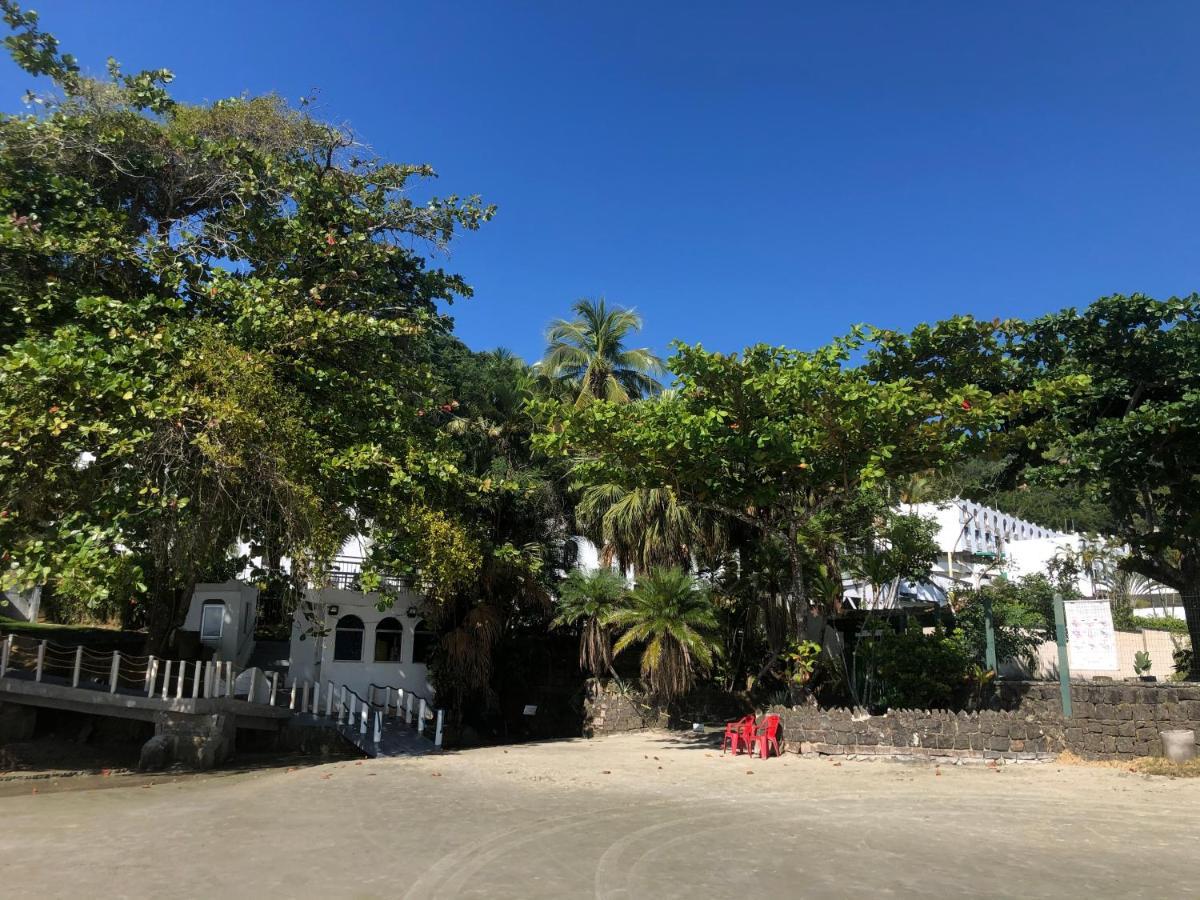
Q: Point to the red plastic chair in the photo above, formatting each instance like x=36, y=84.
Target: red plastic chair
x=766, y=737
x=738, y=733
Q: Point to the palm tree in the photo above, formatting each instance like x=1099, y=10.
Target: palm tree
x=589, y=353
x=646, y=527
x=587, y=599
x=673, y=616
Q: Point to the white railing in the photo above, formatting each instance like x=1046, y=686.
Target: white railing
x=347, y=707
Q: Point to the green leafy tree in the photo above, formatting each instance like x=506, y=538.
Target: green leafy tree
x=670, y=615
x=215, y=324
x=1022, y=619
x=586, y=600
x=589, y=353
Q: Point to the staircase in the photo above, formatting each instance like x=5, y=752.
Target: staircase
x=271, y=656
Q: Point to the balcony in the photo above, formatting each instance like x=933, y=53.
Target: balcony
x=345, y=572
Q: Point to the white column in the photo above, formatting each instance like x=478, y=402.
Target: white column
x=437, y=734
x=362, y=725
x=253, y=684
x=274, y=686
x=78, y=666
x=208, y=678
x=116, y=668
x=41, y=658
x=409, y=712
x=400, y=704
x=292, y=705
x=350, y=710
x=179, y=681
x=421, y=718
x=151, y=671
x=329, y=700
x=229, y=679
x=196, y=679
x=377, y=735
x=166, y=680
x=387, y=700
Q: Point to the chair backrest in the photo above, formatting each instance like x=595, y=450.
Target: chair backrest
x=771, y=724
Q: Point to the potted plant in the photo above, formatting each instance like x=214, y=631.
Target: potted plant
x=1141, y=665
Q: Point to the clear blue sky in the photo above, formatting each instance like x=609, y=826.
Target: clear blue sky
x=739, y=172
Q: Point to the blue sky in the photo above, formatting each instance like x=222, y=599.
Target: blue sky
x=739, y=172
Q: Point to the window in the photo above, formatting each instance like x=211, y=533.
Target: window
x=389, y=637
x=424, y=641
x=348, y=639
x=212, y=620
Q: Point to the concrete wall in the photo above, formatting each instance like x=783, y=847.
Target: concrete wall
x=312, y=652
x=241, y=615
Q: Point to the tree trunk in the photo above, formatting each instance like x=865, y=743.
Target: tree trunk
x=1191, y=611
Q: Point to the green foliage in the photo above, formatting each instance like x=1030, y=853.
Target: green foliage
x=589, y=355
x=670, y=615
x=1158, y=623
x=801, y=658
x=1022, y=617
x=1141, y=662
x=911, y=670
x=587, y=600
x=215, y=324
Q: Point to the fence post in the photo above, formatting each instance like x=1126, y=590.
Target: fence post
x=437, y=734
x=166, y=680
x=5, y=651
x=362, y=726
x=229, y=679
x=421, y=720
x=1064, y=668
x=41, y=658
x=989, y=631
x=274, y=686
x=78, y=666
x=116, y=667
x=196, y=680
x=179, y=681
x=152, y=677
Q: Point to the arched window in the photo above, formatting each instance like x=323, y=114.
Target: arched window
x=389, y=636
x=348, y=639
x=424, y=640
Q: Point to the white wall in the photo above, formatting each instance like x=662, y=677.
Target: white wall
x=312, y=654
x=241, y=615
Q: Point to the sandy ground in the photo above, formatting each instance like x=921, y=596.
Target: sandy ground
x=645, y=815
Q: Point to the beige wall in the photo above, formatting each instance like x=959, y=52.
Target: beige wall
x=1160, y=645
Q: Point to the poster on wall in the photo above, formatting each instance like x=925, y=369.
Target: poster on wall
x=1091, y=642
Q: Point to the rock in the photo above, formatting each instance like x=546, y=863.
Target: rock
x=156, y=753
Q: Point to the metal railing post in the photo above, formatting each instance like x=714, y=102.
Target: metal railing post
x=79, y=666
x=41, y=659
x=437, y=734
x=116, y=667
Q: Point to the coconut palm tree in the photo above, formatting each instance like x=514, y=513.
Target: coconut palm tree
x=589, y=352
x=587, y=599
x=672, y=616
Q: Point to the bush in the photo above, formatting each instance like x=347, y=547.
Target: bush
x=1159, y=623
x=1022, y=617
x=912, y=670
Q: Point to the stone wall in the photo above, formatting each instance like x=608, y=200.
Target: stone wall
x=1109, y=720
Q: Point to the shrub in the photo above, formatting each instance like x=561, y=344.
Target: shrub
x=1022, y=617
x=912, y=670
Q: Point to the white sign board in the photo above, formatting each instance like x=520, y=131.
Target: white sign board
x=1091, y=643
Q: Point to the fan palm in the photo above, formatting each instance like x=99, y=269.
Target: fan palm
x=587, y=599
x=589, y=352
x=645, y=527
x=673, y=617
